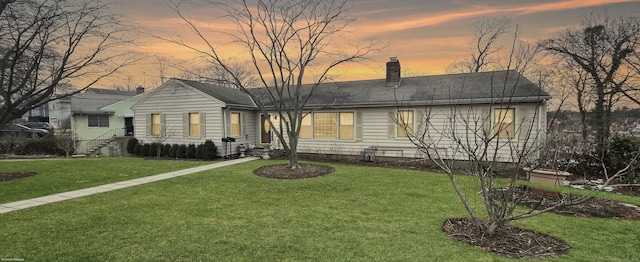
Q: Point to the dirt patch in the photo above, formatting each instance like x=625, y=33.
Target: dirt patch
x=508, y=241
x=15, y=175
x=282, y=171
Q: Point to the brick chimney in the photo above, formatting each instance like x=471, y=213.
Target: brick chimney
x=393, y=72
x=139, y=90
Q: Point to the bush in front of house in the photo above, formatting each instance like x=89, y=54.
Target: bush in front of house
x=146, y=150
x=191, y=151
x=181, y=151
x=172, y=150
x=199, y=151
x=131, y=145
x=209, y=150
x=206, y=150
x=137, y=150
x=165, y=150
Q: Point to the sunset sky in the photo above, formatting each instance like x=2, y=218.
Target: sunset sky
x=425, y=35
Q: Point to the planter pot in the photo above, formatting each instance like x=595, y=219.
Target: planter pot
x=549, y=177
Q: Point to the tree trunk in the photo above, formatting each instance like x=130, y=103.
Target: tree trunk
x=293, y=151
x=600, y=121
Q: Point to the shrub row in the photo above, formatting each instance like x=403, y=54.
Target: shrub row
x=206, y=150
x=49, y=145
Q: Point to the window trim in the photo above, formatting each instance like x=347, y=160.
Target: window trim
x=412, y=124
x=100, y=117
x=494, y=123
x=313, y=137
x=240, y=124
x=152, y=124
x=194, y=126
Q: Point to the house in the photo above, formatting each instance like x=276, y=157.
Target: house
x=351, y=117
x=188, y=112
x=98, y=115
x=57, y=112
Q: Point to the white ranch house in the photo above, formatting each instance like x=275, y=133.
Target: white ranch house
x=348, y=118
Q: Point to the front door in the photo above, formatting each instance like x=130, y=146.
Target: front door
x=265, y=130
x=128, y=126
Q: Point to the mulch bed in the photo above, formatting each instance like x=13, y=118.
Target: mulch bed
x=282, y=171
x=516, y=242
x=594, y=207
x=15, y=175
x=508, y=241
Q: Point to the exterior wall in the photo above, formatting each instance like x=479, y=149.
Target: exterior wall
x=84, y=134
x=60, y=113
x=379, y=130
x=173, y=100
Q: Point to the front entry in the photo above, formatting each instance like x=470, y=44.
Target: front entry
x=128, y=126
x=265, y=130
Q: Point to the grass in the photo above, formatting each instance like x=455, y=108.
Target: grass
x=356, y=213
x=61, y=175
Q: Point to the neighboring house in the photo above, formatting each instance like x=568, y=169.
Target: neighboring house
x=188, y=112
x=352, y=117
x=57, y=112
x=99, y=114
x=60, y=113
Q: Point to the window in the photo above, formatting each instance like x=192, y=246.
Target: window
x=305, y=128
x=324, y=126
x=346, y=126
x=405, y=123
x=155, y=125
x=98, y=121
x=504, y=122
x=194, y=124
x=235, y=125
x=328, y=126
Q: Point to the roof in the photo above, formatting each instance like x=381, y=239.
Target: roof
x=102, y=91
x=476, y=88
x=230, y=96
x=92, y=102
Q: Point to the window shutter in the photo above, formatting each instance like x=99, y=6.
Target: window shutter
x=242, y=124
x=163, y=131
x=391, y=124
x=420, y=122
x=487, y=121
x=203, y=125
x=185, y=124
x=149, y=124
x=523, y=122
x=358, y=123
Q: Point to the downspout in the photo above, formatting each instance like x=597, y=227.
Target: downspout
x=225, y=109
x=540, y=135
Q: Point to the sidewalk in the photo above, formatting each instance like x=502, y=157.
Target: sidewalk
x=22, y=204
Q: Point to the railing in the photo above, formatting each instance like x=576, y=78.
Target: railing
x=98, y=142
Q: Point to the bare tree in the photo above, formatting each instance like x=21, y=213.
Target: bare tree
x=46, y=43
x=485, y=46
x=605, y=49
x=288, y=42
x=216, y=75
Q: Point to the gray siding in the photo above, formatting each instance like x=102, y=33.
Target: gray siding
x=378, y=130
x=174, y=101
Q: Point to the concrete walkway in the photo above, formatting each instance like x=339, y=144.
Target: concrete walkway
x=22, y=204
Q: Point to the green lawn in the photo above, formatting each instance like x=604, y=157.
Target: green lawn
x=356, y=213
x=61, y=175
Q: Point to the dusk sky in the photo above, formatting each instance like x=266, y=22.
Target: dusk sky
x=426, y=36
